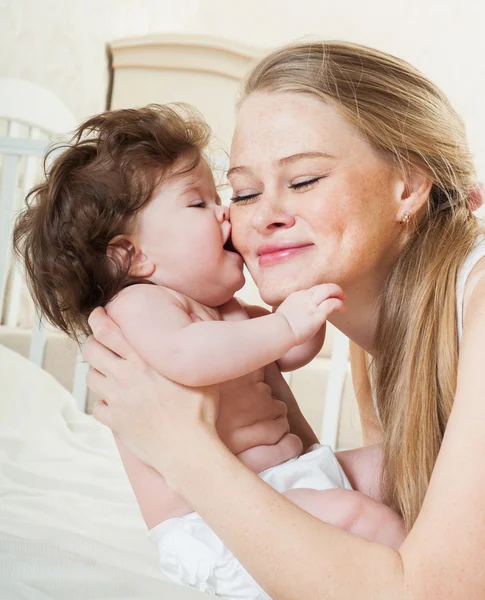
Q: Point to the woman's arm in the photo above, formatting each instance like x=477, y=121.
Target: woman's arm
x=291, y=554
x=154, y=412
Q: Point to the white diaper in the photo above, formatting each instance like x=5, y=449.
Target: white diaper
x=192, y=554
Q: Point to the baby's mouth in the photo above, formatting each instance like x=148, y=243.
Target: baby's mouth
x=229, y=246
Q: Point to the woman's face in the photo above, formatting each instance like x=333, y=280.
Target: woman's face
x=312, y=202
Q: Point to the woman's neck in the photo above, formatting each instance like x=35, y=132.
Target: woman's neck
x=359, y=321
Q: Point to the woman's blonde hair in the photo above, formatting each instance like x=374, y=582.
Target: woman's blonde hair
x=410, y=121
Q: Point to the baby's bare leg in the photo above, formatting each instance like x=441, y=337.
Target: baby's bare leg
x=353, y=511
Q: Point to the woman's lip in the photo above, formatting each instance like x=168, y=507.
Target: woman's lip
x=280, y=246
x=273, y=254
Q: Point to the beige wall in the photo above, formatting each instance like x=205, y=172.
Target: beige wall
x=60, y=44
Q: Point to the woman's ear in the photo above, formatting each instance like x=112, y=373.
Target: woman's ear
x=414, y=194
x=126, y=249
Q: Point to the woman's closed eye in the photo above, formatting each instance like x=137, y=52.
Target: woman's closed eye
x=244, y=198
x=306, y=183
x=298, y=186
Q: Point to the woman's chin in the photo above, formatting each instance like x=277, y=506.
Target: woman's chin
x=275, y=295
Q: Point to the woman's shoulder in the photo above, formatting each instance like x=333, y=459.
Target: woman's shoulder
x=474, y=282
x=469, y=274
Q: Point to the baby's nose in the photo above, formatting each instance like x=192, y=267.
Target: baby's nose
x=222, y=213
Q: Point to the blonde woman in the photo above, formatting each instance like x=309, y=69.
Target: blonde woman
x=348, y=167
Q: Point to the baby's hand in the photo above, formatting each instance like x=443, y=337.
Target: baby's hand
x=307, y=310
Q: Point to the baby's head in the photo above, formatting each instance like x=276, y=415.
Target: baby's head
x=100, y=220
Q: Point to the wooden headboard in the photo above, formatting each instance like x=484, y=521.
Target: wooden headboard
x=203, y=71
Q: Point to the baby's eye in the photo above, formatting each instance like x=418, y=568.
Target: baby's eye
x=200, y=204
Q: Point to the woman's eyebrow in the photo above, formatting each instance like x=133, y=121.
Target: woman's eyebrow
x=284, y=161
x=234, y=170
x=301, y=155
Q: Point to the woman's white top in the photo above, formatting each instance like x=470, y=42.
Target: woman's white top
x=477, y=253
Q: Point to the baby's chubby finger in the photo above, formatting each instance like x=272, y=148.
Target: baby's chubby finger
x=325, y=291
x=329, y=306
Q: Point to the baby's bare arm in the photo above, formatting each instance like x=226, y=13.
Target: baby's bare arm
x=196, y=353
x=202, y=353
x=298, y=356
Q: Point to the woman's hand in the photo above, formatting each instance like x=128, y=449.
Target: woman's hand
x=153, y=416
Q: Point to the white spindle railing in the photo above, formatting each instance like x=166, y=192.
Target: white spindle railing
x=20, y=166
x=29, y=175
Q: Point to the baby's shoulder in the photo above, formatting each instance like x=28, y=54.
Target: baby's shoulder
x=143, y=297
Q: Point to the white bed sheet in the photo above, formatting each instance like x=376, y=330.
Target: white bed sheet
x=69, y=525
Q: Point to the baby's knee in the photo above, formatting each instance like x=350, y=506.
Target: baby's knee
x=352, y=511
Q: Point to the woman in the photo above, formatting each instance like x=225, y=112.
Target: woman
x=347, y=166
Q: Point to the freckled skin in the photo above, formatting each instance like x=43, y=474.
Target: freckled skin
x=350, y=216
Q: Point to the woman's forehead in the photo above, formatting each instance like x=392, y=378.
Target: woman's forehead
x=284, y=124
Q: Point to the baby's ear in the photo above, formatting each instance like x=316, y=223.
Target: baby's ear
x=122, y=248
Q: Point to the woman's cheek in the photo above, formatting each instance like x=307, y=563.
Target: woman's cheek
x=239, y=234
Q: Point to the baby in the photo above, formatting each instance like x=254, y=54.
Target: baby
x=129, y=218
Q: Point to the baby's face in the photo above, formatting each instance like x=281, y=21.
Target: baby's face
x=182, y=232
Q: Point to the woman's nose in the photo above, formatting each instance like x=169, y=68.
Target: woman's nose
x=268, y=216
x=222, y=213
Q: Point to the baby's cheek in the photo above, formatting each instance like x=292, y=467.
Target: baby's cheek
x=239, y=236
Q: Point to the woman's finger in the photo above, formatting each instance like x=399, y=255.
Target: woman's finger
x=106, y=331
x=101, y=413
x=97, y=382
x=99, y=357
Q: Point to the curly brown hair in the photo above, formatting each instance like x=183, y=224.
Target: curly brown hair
x=91, y=194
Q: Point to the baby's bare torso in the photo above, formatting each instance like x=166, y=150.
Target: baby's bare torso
x=251, y=422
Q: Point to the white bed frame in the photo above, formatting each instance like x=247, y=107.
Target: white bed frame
x=33, y=118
